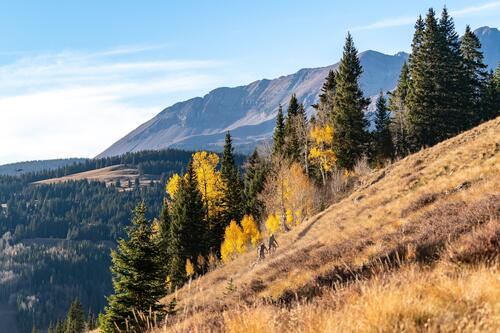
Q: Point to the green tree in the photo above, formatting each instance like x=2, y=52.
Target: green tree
x=234, y=187
x=450, y=85
x=397, y=104
x=75, y=322
x=164, y=237
x=435, y=98
x=255, y=176
x=188, y=230
x=424, y=96
x=138, y=281
x=490, y=97
x=279, y=133
x=324, y=107
x=294, y=119
x=475, y=76
x=383, y=147
x=348, y=120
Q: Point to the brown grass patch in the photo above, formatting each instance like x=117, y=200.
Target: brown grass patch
x=367, y=266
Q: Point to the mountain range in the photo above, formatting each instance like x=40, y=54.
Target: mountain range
x=249, y=111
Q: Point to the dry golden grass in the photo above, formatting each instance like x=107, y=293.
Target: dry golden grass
x=414, y=248
x=108, y=175
x=412, y=300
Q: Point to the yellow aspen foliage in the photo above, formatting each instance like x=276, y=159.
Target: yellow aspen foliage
x=287, y=188
x=272, y=223
x=232, y=242
x=321, y=152
x=251, y=233
x=189, y=268
x=173, y=185
x=322, y=135
x=289, y=217
x=209, y=180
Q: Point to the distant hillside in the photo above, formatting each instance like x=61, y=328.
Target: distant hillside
x=18, y=168
x=414, y=247
x=121, y=176
x=249, y=111
x=490, y=41
x=55, y=236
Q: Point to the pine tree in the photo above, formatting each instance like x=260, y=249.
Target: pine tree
x=138, y=279
x=414, y=61
x=424, y=102
x=436, y=96
x=475, y=76
x=279, y=133
x=325, y=105
x=383, y=147
x=293, y=107
x=164, y=237
x=399, y=127
x=451, y=84
x=188, y=230
x=255, y=175
x=490, y=97
x=74, y=321
x=295, y=118
x=234, y=187
x=348, y=120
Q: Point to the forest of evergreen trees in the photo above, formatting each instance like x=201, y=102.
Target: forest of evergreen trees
x=212, y=213
x=56, y=238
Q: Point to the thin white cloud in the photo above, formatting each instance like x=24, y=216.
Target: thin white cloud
x=475, y=9
x=386, y=23
x=77, y=103
x=406, y=20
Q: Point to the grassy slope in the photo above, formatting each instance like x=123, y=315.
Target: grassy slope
x=108, y=175
x=414, y=247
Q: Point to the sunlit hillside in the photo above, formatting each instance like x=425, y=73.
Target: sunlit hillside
x=414, y=247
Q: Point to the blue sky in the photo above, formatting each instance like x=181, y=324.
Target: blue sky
x=75, y=76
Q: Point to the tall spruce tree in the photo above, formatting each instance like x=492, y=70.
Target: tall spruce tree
x=295, y=117
x=436, y=95
x=383, y=147
x=164, y=237
x=348, y=120
x=424, y=102
x=325, y=106
x=397, y=104
x=255, y=175
x=188, y=230
x=234, y=187
x=451, y=84
x=279, y=133
x=490, y=97
x=475, y=76
x=138, y=279
x=74, y=320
